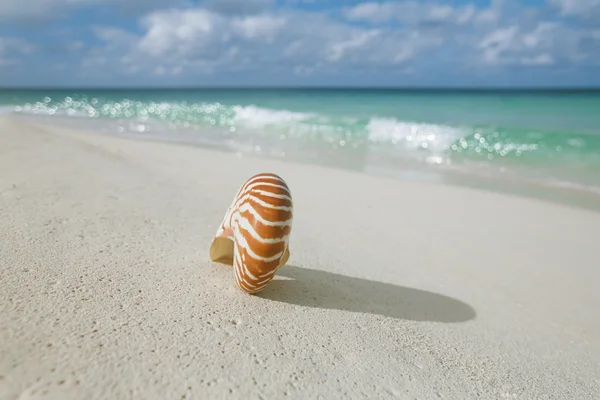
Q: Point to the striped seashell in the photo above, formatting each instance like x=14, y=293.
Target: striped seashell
x=254, y=235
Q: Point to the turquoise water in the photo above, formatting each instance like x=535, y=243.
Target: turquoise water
x=546, y=137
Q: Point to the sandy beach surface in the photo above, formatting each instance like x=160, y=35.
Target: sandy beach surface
x=393, y=290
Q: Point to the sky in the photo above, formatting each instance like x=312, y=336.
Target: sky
x=404, y=43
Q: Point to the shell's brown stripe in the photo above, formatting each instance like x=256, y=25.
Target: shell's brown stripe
x=263, y=194
x=256, y=267
x=270, y=214
x=281, y=185
x=259, y=267
x=249, y=285
x=259, y=195
x=266, y=203
x=258, y=192
x=266, y=231
x=268, y=182
x=267, y=175
x=263, y=230
x=262, y=177
x=249, y=290
x=246, y=283
x=265, y=250
x=243, y=285
x=252, y=195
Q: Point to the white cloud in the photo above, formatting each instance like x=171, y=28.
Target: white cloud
x=576, y=7
x=540, y=59
x=411, y=12
x=8, y=44
x=11, y=48
x=180, y=32
x=112, y=35
x=337, y=50
x=39, y=9
x=26, y=10
x=548, y=43
x=260, y=26
x=503, y=33
x=373, y=12
x=114, y=53
x=75, y=45
x=495, y=44
x=238, y=7
x=245, y=36
x=379, y=48
x=93, y=61
x=200, y=40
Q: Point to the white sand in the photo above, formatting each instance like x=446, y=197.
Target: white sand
x=393, y=290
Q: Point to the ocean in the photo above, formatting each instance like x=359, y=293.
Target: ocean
x=545, y=139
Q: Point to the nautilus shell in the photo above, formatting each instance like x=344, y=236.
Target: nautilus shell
x=254, y=235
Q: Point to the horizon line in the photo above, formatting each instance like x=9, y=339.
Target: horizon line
x=315, y=87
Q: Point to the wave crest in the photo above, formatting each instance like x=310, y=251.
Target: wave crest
x=436, y=143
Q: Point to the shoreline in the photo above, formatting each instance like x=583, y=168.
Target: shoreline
x=568, y=195
x=394, y=289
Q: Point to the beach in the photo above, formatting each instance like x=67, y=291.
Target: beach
x=394, y=289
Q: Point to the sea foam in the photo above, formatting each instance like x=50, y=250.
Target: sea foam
x=255, y=128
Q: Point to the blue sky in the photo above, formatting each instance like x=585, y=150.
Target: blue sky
x=299, y=42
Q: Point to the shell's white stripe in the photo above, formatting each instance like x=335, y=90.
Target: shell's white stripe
x=271, y=194
x=247, y=282
x=239, y=275
x=247, y=272
x=243, y=269
x=244, y=224
x=238, y=258
x=265, y=277
x=267, y=274
x=255, y=287
x=253, y=182
x=253, y=185
x=247, y=196
x=259, y=178
x=263, y=176
x=236, y=269
x=249, y=188
x=243, y=284
x=237, y=272
x=263, y=282
x=256, y=193
x=267, y=205
x=258, y=289
x=255, y=214
x=241, y=241
x=250, y=198
x=227, y=219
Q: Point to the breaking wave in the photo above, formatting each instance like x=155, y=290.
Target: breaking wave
x=433, y=144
